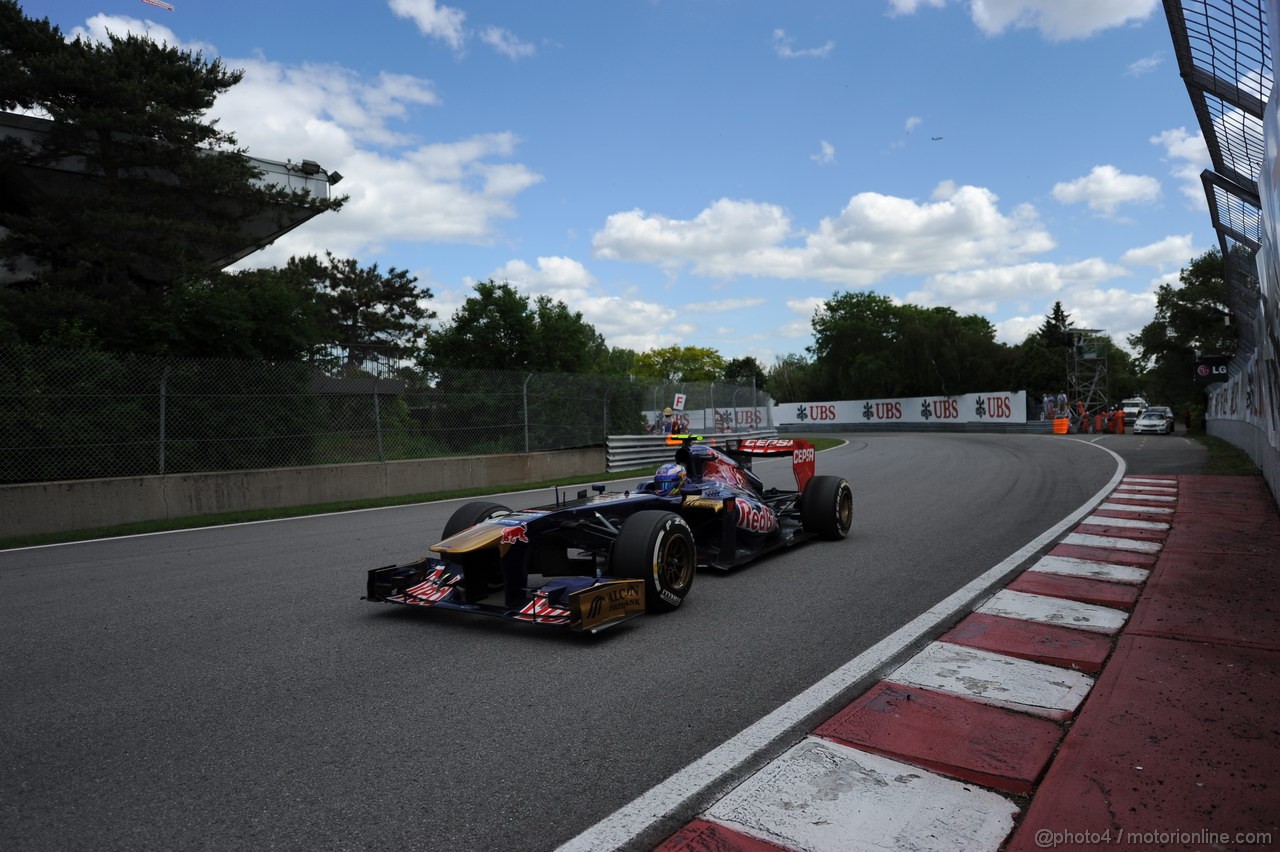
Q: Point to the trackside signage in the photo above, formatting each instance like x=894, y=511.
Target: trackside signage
x=998, y=407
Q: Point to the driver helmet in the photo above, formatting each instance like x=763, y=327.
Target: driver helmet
x=668, y=480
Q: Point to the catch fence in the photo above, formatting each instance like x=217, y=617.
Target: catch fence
x=79, y=414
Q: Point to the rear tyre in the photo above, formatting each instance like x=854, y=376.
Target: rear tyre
x=657, y=547
x=826, y=507
x=470, y=514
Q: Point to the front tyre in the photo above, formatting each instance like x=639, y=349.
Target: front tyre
x=470, y=514
x=483, y=570
x=656, y=546
x=826, y=508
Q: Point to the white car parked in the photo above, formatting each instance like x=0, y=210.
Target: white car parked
x=1157, y=418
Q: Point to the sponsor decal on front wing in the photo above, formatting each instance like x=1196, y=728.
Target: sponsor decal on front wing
x=435, y=588
x=542, y=611
x=608, y=602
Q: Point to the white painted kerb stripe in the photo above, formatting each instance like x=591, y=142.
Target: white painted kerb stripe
x=1129, y=507
x=991, y=678
x=1149, y=498
x=1044, y=609
x=1070, y=567
x=1129, y=523
x=1106, y=541
x=822, y=795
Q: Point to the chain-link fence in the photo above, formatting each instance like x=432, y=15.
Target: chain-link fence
x=707, y=407
x=75, y=414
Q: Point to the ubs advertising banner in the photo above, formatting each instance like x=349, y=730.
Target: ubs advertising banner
x=999, y=407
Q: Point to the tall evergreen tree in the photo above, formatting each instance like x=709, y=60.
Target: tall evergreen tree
x=142, y=191
x=368, y=315
x=1056, y=329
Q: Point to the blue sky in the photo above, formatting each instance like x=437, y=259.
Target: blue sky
x=707, y=172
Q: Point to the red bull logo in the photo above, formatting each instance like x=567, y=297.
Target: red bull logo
x=511, y=535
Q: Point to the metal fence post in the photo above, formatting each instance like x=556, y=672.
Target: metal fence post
x=604, y=423
x=164, y=381
x=524, y=393
x=377, y=419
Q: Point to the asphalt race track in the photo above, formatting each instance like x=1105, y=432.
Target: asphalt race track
x=228, y=689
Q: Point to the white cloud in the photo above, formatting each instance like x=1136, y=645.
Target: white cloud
x=1016, y=329
x=435, y=21
x=443, y=192
x=1144, y=66
x=722, y=305
x=804, y=309
x=1116, y=312
x=874, y=236
x=909, y=7
x=725, y=230
x=1175, y=250
x=400, y=187
x=280, y=111
x=826, y=154
x=622, y=320
x=782, y=46
x=913, y=122
x=1189, y=156
x=1056, y=20
x=634, y=324
x=98, y=26
x=961, y=228
x=1105, y=188
x=553, y=275
x=506, y=43
x=982, y=290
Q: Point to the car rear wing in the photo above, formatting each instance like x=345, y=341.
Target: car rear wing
x=803, y=454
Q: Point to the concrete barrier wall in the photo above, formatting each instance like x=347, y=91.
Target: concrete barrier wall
x=49, y=507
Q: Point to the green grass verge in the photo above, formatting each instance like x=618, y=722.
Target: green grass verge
x=1225, y=458
x=170, y=524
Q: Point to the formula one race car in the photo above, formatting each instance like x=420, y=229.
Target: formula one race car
x=595, y=561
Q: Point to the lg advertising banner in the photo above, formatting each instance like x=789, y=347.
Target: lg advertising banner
x=998, y=407
x=1212, y=368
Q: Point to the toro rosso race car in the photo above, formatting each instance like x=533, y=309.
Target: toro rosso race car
x=597, y=560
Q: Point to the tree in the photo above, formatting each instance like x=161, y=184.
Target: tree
x=792, y=378
x=368, y=315
x=255, y=314
x=498, y=328
x=562, y=341
x=679, y=364
x=1056, y=329
x=866, y=347
x=745, y=372
x=159, y=194
x=617, y=361
x=1190, y=318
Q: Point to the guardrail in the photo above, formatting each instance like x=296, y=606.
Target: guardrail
x=631, y=452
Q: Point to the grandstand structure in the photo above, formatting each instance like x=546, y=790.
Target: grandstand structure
x=1225, y=50
x=22, y=185
x=1224, y=57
